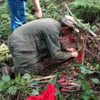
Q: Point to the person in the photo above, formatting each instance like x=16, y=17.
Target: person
x=35, y=39
x=17, y=9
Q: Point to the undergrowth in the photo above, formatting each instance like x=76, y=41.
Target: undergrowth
x=88, y=10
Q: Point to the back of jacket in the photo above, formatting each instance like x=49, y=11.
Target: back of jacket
x=32, y=41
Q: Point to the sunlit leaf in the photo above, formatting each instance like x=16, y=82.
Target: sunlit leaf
x=95, y=80
x=2, y=86
x=5, y=78
x=35, y=92
x=86, y=84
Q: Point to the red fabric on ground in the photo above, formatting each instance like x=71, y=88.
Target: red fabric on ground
x=35, y=97
x=49, y=94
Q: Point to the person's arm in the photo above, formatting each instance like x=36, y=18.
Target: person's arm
x=63, y=48
x=73, y=51
x=54, y=47
x=38, y=12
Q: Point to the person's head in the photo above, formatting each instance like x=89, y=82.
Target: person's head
x=68, y=25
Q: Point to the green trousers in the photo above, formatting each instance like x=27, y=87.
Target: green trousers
x=36, y=68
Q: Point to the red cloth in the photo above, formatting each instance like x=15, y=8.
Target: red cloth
x=80, y=56
x=70, y=38
x=49, y=94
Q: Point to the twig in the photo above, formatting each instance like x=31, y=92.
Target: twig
x=96, y=21
x=73, y=84
x=65, y=68
x=84, y=46
x=69, y=91
x=3, y=98
x=92, y=53
x=38, y=79
x=96, y=92
x=80, y=22
x=71, y=87
x=18, y=96
x=78, y=44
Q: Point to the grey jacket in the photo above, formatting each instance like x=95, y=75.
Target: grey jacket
x=30, y=42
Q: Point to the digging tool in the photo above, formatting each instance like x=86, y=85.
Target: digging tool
x=68, y=83
x=69, y=91
x=42, y=78
x=38, y=82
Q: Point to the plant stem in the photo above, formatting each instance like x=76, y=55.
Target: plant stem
x=84, y=46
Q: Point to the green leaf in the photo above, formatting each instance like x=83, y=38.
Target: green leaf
x=2, y=86
x=86, y=85
x=79, y=25
x=95, y=80
x=1, y=0
x=98, y=24
x=57, y=92
x=62, y=97
x=94, y=28
x=83, y=70
x=35, y=92
x=73, y=99
x=97, y=67
x=4, y=16
x=89, y=92
x=5, y=78
x=26, y=76
x=94, y=43
x=12, y=90
x=85, y=97
x=89, y=72
x=19, y=80
x=51, y=81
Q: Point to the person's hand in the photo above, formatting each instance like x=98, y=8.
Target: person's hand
x=71, y=49
x=38, y=14
x=74, y=54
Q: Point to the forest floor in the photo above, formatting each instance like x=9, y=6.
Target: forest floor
x=69, y=68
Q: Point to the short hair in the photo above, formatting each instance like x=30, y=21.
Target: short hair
x=64, y=25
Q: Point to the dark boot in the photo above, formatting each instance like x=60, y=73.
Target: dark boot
x=8, y=60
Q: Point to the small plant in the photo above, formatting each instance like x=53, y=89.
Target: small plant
x=10, y=88
x=87, y=93
x=4, y=20
x=94, y=28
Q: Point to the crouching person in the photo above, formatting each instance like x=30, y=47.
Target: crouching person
x=34, y=40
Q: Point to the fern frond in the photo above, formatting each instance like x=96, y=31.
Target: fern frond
x=94, y=4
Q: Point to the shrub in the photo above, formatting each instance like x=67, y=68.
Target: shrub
x=88, y=10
